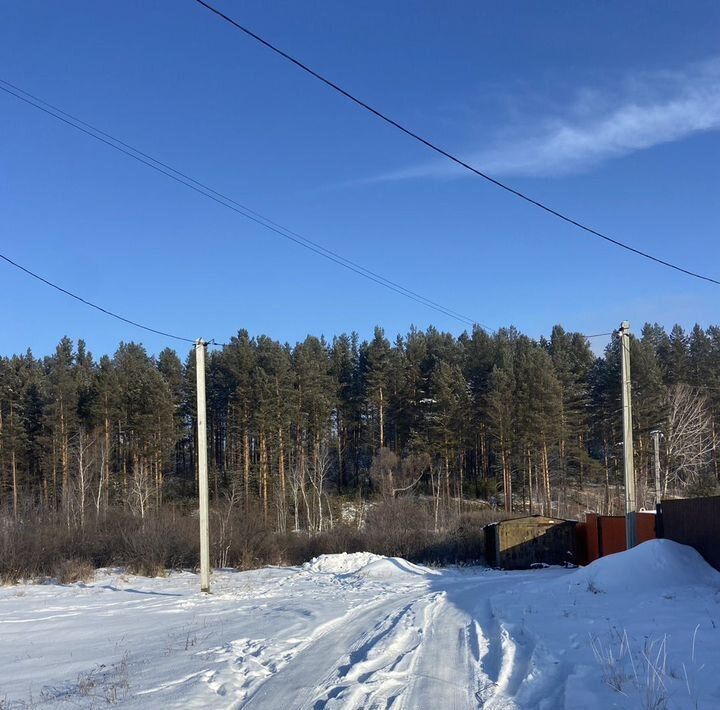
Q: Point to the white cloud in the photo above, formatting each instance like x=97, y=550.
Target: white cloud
x=646, y=111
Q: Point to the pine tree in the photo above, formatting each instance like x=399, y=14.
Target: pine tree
x=649, y=400
x=13, y=439
x=500, y=412
x=61, y=415
x=289, y=425
x=237, y=362
x=375, y=364
x=107, y=414
x=478, y=362
x=572, y=360
x=315, y=406
x=676, y=365
x=344, y=365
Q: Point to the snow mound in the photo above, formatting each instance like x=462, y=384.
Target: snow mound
x=654, y=564
x=366, y=565
x=393, y=568
x=341, y=563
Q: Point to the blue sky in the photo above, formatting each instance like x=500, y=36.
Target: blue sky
x=607, y=111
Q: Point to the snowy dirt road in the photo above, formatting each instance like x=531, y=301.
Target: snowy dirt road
x=361, y=631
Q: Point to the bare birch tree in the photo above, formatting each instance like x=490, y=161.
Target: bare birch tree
x=140, y=492
x=295, y=478
x=689, y=441
x=383, y=469
x=83, y=446
x=318, y=475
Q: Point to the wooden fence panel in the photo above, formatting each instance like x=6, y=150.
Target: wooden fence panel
x=695, y=522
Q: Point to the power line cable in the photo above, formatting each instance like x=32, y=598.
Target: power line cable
x=91, y=304
x=441, y=151
x=231, y=200
x=218, y=197
x=230, y=203
x=140, y=325
x=598, y=335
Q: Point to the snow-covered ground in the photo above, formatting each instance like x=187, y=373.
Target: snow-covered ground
x=361, y=631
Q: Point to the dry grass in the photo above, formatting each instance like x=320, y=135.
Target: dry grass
x=73, y=571
x=44, y=545
x=102, y=685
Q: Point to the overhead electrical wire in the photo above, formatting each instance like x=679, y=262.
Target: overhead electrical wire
x=93, y=305
x=446, y=154
x=135, y=323
x=228, y=202
x=220, y=198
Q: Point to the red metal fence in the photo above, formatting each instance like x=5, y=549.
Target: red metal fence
x=689, y=521
x=602, y=535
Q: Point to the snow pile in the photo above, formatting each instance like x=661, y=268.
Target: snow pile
x=366, y=565
x=653, y=565
x=393, y=568
x=341, y=563
x=637, y=629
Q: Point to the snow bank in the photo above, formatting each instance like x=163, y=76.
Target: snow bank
x=393, y=568
x=341, y=563
x=656, y=564
x=366, y=565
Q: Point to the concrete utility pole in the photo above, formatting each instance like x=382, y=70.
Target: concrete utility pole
x=202, y=467
x=656, y=434
x=630, y=502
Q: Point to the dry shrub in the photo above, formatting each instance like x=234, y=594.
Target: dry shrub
x=29, y=549
x=40, y=543
x=44, y=545
x=146, y=568
x=301, y=547
x=241, y=538
x=399, y=527
x=73, y=571
x=156, y=543
x=462, y=542
x=405, y=527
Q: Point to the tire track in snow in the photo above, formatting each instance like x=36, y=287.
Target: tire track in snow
x=433, y=648
x=326, y=656
x=314, y=641
x=234, y=671
x=519, y=670
x=448, y=668
x=375, y=672
x=470, y=658
x=248, y=663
